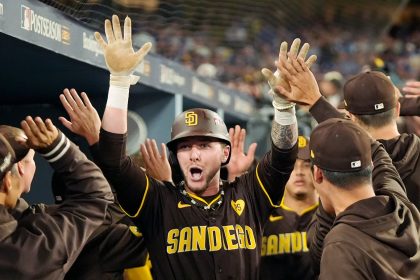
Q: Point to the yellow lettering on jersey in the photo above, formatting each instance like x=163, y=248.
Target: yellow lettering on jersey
x=272, y=245
x=263, y=246
x=296, y=242
x=230, y=237
x=284, y=243
x=250, y=238
x=305, y=242
x=172, y=241
x=198, y=238
x=215, y=240
x=240, y=235
x=184, y=240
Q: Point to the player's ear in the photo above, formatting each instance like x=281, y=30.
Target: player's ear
x=21, y=168
x=397, y=109
x=226, y=152
x=317, y=175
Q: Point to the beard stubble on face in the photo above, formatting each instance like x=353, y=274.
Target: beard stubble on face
x=200, y=190
x=300, y=195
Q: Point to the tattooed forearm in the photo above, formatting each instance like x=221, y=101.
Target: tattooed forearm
x=284, y=136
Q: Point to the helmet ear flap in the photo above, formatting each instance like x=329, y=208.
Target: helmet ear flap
x=177, y=176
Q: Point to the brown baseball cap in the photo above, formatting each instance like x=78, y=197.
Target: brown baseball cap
x=340, y=145
x=369, y=93
x=7, y=157
x=303, y=148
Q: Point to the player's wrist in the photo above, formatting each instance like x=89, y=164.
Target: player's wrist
x=286, y=116
x=119, y=80
x=280, y=103
x=123, y=80
x=281, y=106
x=92, y=139
x=118, y=94
x=119, y=88
x=314, y=99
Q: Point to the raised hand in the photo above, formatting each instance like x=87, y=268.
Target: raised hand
x=412, y=88
x=40, y=134
x=156, y=164
x=84, y=119
x=120, y=56
x=278, y=79
x=303, y=85
x=239, y=161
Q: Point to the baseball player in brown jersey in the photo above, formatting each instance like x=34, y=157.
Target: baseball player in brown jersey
x=372, y=102
x=365, y=228
x=285, y=253
x=45, y=245
x=111, y=248
x=202, y=228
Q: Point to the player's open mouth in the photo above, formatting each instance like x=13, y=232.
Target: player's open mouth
x=196, y=173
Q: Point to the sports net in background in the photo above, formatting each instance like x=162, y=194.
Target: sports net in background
x=231, y=40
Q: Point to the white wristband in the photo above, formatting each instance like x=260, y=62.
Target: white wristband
x=118, y=97
x=285, y=117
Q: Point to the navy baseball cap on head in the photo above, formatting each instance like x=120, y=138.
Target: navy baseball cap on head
x=340, y=145
x=7, y=157
x=369, y=93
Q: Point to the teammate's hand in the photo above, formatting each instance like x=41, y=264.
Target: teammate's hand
x=303, y=85
x=412, y=88
x=278, y=79
x=239, y=161
x=84, y=120
x=119, y=53
x=40, y=134
x=156, y=164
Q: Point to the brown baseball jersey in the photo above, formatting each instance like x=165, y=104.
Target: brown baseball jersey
x=285, y=253
x=375, y=238
x=109, y=250
x=45, y=245
x=410, y=105
x=187, y=236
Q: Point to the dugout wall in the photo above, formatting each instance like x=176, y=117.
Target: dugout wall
x=42, y=52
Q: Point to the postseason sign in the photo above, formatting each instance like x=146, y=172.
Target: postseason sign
x=33, y=22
